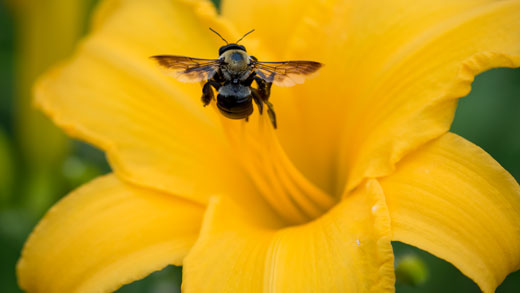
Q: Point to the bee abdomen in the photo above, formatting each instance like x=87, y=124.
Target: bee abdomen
x=235, y=107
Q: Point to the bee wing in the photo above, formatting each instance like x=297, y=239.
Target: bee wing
x=188, y=69
x=285, y=73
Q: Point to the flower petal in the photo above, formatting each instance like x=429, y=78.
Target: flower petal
x=391, y=77
x=154, y=129
x=104, y=235
x=452, y=199
x=412, y=97
x=345, y=250
x=295, y=199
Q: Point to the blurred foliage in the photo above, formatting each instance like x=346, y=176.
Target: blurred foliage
x=410, y=270
x=38, y=164
x=46, y=32
x=6, y=169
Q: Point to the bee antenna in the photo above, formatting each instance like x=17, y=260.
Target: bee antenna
x=245, y=35
x=219, y=35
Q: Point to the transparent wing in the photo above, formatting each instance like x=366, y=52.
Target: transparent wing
x=286, y=73
x=188, y=69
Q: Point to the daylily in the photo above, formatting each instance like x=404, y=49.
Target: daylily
x=362, y=155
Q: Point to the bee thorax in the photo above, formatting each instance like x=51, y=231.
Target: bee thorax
x=236, y=60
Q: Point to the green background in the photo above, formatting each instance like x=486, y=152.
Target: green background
x=32, y=180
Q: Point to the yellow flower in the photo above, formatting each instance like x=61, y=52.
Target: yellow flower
x=362, y=155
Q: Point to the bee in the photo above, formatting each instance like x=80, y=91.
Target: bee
x=232, y=76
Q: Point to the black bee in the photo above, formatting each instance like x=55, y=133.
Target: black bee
x=232, y=75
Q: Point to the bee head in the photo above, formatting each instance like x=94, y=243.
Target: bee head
x=230, y=47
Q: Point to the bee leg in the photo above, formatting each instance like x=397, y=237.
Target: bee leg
x=270, y=112
x=207, y=92
x=258, y=100
x=264, y=88
x=264, y=91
